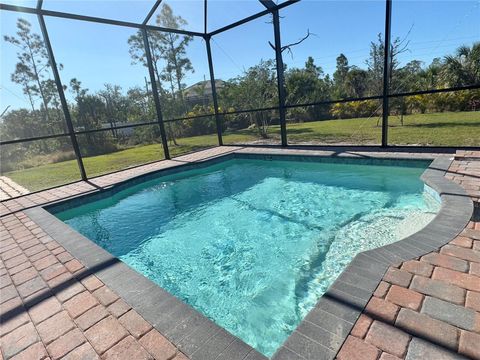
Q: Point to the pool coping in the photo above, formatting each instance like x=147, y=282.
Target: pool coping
x=322, y=332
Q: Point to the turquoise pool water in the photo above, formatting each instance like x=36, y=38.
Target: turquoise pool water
x=253, y=244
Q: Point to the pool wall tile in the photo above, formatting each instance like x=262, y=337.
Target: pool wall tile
x=323, y=331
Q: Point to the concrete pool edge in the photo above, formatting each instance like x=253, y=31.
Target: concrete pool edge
x=333, y=316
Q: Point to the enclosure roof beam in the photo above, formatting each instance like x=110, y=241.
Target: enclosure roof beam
x=175, y=31
x=152, y=11
x=95, y=19
x=39, y=4
x=269, y=4
x=252, y=17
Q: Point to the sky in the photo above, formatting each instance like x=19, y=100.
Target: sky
x=97, y=54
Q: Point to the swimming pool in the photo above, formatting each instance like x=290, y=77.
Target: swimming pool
x=253, y=244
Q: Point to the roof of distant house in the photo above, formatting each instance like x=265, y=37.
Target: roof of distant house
x=203, y=88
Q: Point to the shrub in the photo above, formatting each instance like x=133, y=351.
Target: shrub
x=354, y=109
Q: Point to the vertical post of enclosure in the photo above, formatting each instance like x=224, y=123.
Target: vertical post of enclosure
x=214, y=91
x=386, y=71
x=61, y=94
x=156, y=98
x=280, y=76
x=205, y=17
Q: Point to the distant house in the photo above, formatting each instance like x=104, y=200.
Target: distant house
x=201, y=92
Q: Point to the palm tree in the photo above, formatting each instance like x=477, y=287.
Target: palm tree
x=463, y=68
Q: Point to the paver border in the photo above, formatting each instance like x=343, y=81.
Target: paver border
x=323, y=331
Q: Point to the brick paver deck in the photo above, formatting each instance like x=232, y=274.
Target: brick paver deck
x=52, y=307
x=10, y=189
x=428, y=308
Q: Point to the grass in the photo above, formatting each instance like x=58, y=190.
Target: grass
x=53, y=174
x=438, y=129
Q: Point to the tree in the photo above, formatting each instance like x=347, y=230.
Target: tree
x=376, y=60
x=166, y=46
x=76, y=88
x=304, y=85
x=33, y=63
x=410, y=76
x=169, y=61
x=23, y=77
x=375, y=66
x=340, y=77
x=462, y=68
x=32, y=74
x=137, y=52
x=90, y=113
x=174, y=49
x=429, y=78
x=255, y=88
x=115, y=104
x=141, y=103
x=356, y=82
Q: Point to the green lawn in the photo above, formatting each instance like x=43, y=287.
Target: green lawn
x=439, y=129
x=53, y=174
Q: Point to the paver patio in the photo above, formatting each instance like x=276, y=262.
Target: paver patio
x=428, y=308
x=53, y=307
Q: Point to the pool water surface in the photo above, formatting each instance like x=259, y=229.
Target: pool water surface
x=253, y=244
